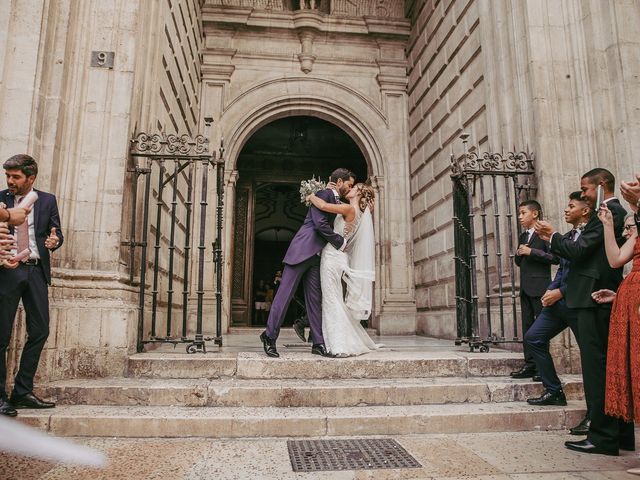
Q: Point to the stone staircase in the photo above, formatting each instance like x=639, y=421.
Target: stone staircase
x=246, y=394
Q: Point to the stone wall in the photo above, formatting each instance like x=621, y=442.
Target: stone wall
x=168, y=86
x=561, y=78
x=74, y=119
x=446, y=97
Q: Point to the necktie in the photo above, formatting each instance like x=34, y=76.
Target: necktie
x=574, y=232
x=22, y=230
x=23, y=236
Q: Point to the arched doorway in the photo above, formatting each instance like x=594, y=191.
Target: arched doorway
x=268, y=210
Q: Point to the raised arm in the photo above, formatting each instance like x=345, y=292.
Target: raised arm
x=542, y=255
x=343, y=209
x=617, y=256
x=321, y=225
x=586, y=244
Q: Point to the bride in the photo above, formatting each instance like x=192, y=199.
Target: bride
x=343, y=334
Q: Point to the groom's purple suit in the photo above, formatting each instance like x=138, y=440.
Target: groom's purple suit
x=302, y=262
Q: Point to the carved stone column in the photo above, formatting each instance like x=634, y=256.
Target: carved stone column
x=81, y=144
x=396, y=310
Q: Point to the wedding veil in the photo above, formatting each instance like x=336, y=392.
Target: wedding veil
x=361, y=272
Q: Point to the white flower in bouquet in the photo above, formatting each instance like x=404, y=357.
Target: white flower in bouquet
x=307, y=187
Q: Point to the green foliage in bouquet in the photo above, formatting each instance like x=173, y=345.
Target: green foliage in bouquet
x=307, y=187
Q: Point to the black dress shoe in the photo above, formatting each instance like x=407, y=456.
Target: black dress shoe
x=320, y=349
x=7, y=409
x=524, y=372
x=628, y=447
x=299, y=329
x=29, y=401
x=536, y=378
x=585, y=446
x=582, y=428
x=549, y=398
x=269, y=345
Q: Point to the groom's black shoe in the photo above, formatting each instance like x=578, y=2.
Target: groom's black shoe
x=319, y=349
x=269, y=345
x=299, y=329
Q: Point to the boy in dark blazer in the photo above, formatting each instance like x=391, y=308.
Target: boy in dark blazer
x=535, y=260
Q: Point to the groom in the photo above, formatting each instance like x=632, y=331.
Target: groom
x=302, y=262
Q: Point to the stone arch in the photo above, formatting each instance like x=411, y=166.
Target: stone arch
x=340, y=105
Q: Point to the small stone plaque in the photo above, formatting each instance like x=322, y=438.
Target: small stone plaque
x=355, y=454
x=102, y=59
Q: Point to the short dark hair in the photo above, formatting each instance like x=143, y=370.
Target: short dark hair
x=342, y=173
x=603, y=175
x=22, y=162
x=532, y=205
x=576, y=196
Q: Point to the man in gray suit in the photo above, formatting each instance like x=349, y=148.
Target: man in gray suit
x=302, y=263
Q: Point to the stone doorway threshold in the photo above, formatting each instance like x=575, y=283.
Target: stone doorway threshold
x=245, y=339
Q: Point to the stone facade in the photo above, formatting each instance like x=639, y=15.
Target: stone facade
x=562, y=78
x=556, y=77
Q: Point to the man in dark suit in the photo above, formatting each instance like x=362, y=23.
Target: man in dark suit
x=535, y=262
x=27, y=280
x=555, y=315
x=302, y=263
x=590, y=271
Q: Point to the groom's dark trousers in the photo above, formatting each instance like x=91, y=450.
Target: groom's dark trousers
x=309, y=273
x=302, y=263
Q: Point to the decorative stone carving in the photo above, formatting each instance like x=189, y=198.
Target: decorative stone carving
x=352, y=8
x=306, y=57
x=309, y=5
x=376, y=8
x=257, y=4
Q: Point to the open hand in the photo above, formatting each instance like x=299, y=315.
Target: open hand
x=18, y=215
x=544, y=229
x=631, y=192
x=52, y=240
x=605, y=216
x=604, y=296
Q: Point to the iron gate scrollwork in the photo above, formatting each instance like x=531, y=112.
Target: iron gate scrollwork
x=170, y=171
x=488, y=185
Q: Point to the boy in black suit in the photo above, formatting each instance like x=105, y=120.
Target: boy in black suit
x=535, y=261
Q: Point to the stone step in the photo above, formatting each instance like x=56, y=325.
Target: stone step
x=297, y=393
x=302, y=364
x=228, y=422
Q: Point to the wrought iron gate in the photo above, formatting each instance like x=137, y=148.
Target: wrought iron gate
x=487, y=292
x=169, y=171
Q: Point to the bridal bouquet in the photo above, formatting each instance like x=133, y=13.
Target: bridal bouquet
x=307, y=187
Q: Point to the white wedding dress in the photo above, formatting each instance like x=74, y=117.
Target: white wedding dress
x=341, y=315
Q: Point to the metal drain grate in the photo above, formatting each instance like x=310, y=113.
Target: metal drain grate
x=356, y=454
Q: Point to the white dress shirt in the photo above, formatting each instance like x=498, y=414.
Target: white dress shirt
x=530, y=234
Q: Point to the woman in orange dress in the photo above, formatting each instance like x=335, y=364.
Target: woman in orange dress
x=622, y=396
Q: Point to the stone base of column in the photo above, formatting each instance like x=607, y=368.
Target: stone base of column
x=92, y=329
x=397, y=318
